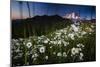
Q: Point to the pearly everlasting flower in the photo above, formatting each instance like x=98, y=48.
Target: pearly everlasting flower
x=17, y=44
x=71, y=35
x=75, y=28
x=36, y=55
x=66, y=37
x=24, y=43
x=21, y=39
x=64, y=54
x=33, y=56
x=90, y=33
x=20, y=54
x=29, y=40
x=83, y=33
x=92, y=26
x=59, y=54
x=59, y=41
x=77, y=23
x=15, y=40
x=55, y=37
x=65, y=43
x=58, y=34
x=29, y=44
x=80, y=49
x=55, y=42
x=42, y=49
x=50, y=46
x=81, y=56
x=46, y=57
x=34, y=59
x=27, y=63
x=46, y=41
x=51, y=42
x=17, y=50
x=62, y=36
x=39, y=38
x=61, y=30
x=80, y=45
x=89, y=29
x=54, y=53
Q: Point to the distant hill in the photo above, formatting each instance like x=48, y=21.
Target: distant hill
x=38, y=25
x=87, y=21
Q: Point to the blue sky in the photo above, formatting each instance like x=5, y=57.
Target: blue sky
x=37, y=8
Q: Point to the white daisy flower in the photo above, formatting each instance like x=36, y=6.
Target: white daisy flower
x=29, y=44
x=75, y=51
x=42, y=49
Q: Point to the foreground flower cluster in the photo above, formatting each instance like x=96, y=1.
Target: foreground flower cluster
x=64, y=45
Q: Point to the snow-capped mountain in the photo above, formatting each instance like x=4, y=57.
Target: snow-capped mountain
x=72, y=15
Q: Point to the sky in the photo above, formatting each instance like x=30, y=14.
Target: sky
x=39, y=8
